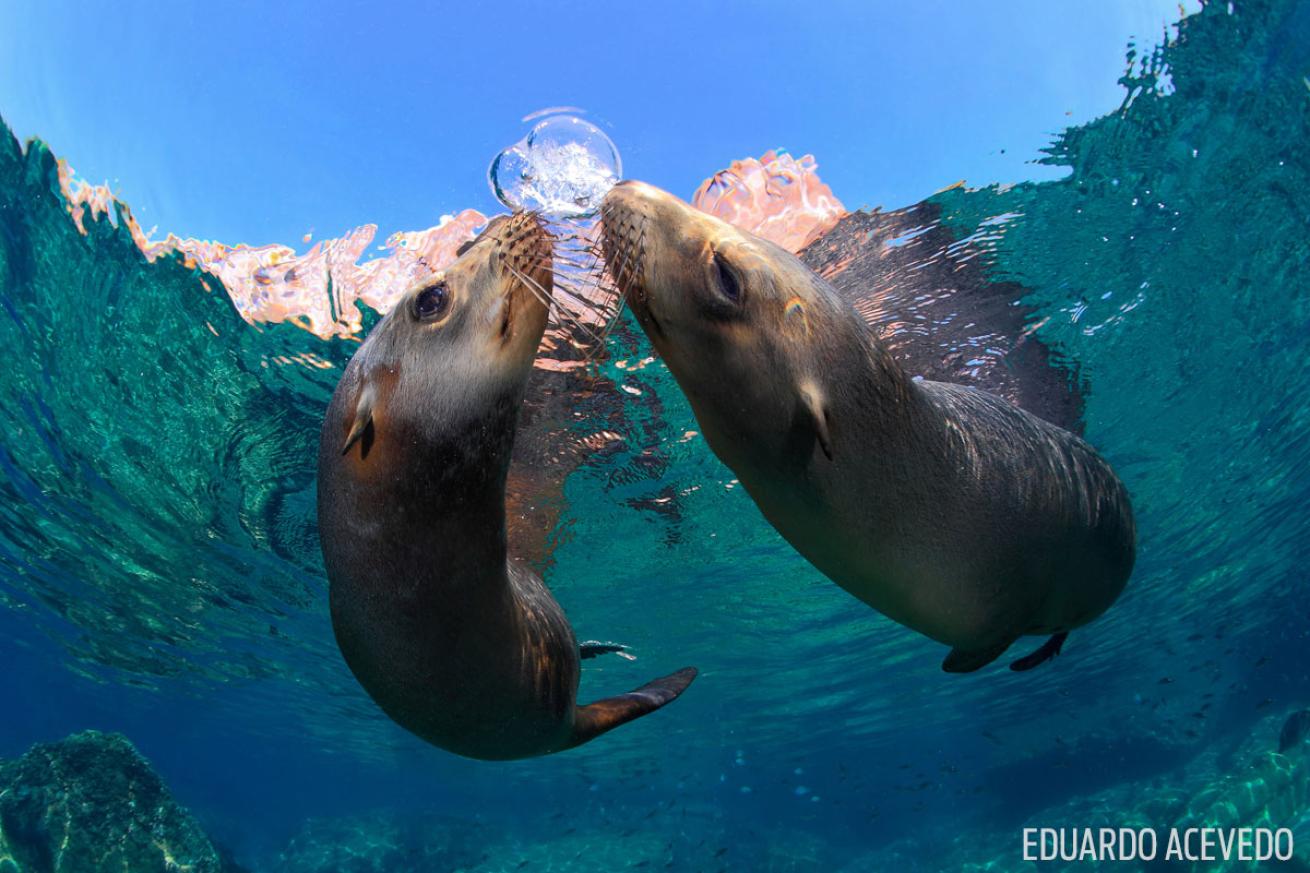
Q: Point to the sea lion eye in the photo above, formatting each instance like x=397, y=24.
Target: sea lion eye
x=729, y=285
x=432, y=302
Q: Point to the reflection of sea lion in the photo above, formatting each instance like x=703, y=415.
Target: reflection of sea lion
x=944, y=507
x=455, y=642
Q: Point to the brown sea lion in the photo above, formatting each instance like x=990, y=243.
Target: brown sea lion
x=454, y=640
x=946, y=508
x=924, y=290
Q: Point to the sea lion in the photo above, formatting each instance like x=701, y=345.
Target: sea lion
x=454, y=640
x=924, y=290
x=944, y=507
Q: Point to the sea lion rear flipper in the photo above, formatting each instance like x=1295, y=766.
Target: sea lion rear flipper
x=594, y=648
x=959, y=661
x=594, y=719
x=1045, y=652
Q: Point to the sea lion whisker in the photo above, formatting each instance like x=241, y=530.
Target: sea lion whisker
x=619, y=276
x=605, y=298
x=582, y=281
x=614, y=320
x=533, y=286
x=572, y=277
x=635, y=235
x=545, y=297
x=582, y=301
x=528, y=229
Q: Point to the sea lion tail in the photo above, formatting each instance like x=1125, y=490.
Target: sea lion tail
x=594, y=719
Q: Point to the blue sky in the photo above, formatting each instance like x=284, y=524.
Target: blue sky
x=260, y=122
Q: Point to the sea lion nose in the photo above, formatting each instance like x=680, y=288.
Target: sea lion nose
x=632, y=188
x=630, y=200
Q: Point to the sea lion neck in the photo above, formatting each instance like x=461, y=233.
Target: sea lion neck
x=453, y=491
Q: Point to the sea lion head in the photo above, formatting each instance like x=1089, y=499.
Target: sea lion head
x=749, y=332
x=453, y=355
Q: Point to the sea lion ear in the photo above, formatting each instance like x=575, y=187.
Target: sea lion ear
x=363, y=418
x=814, y=403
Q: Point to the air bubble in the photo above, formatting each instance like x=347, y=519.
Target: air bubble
x=561, y=169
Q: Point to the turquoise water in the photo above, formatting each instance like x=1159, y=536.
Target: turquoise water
x=160, y=573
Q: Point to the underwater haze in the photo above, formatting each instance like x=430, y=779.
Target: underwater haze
x=160, y=572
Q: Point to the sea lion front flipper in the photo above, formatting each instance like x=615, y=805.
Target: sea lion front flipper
x=814, y=403
x=594, y=719
x=1045, y=652
x=594, y=648
x=363, y=419
x=958, y=661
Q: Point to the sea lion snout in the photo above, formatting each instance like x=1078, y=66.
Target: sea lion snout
x=674, y=262
x=623, y=222
x=665, y=257
x=497, y=293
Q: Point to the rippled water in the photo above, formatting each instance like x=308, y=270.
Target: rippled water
x=157, y=528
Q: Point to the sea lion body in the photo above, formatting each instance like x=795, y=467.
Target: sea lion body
x=946, y=508
x=454, y=640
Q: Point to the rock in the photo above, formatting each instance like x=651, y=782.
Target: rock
x=382, y=842
x=91, y=803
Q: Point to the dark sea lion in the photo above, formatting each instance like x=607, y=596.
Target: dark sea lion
x=946, y=508
x=454, y=640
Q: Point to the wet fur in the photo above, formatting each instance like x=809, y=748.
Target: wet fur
x=453, y=639
x=946, y=508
